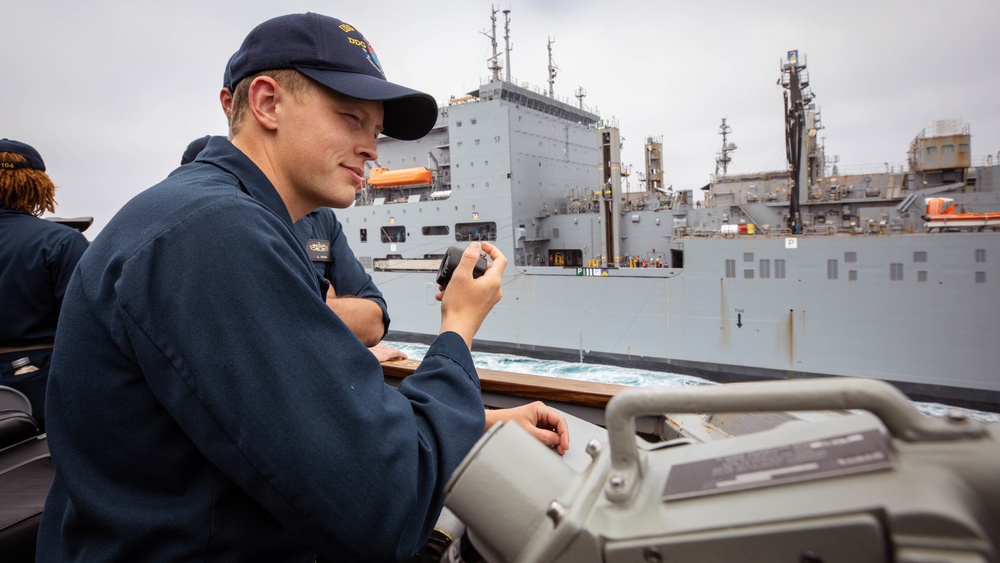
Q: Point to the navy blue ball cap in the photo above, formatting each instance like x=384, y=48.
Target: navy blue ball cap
x=227, y=76
x=336, y=55
x=193, y=148
x=35, y=161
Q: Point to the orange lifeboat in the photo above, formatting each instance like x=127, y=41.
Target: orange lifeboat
x=385, y=178
x=941, y=215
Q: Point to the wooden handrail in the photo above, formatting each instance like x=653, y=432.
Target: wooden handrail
x=539, y=387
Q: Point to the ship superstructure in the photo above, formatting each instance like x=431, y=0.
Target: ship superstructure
x=797, y=272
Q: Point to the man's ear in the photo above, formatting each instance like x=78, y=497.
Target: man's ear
x=263, y=100
x=226, y=99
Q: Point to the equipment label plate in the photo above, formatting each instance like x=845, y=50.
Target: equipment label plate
x=814, y=459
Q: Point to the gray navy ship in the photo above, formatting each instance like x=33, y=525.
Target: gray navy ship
x=795, y=273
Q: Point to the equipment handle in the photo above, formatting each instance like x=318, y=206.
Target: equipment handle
x=883, y=400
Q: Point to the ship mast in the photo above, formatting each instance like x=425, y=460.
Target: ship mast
x=506, y=39
x=494, y=61
x=553, y=70
x=722, y=159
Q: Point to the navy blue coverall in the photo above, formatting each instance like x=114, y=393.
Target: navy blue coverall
x=37, y=258
x=325, y=243
x=206, y=405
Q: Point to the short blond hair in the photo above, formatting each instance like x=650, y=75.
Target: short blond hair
x=26, y=189
x=290, y=80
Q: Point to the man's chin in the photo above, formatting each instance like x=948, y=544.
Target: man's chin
x=340, y=202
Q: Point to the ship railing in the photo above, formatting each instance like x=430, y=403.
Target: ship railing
x=584, y=399
x=525, y=85
x=986, y=160
x=871, y=168
x=697, y=231
x=589, y=400
x=944, y=128
x=824, y=229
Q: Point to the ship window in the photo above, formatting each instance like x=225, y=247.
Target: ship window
x=730, y=268
x=364, y=235
x=394, y=234
x=850, y=257
x=748, y=256
x=921, y=275
x=435, y=230
x=932, y=151
x=486, y=230
x=460, y=143
x=476, y=142
x=980, y=277
x=748, y=274
x=947, y=149
x=555, y=232
x=765, y=269
x=458, y=124
x=896, y=271
x=980, y=255
x=963, y=147
x=852, y=275
x=496, y=139
x=779, y=268
x=472, y=121
x=920, y=256
x=831, y=269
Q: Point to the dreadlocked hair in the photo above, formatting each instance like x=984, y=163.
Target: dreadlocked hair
x=26, y=189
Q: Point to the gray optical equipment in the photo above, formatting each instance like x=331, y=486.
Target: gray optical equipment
x=889, y=484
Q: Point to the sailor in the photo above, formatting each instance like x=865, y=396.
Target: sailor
x=204, y=403
x=349, y=290
x=37, y=258
x=193, y=148
x=350, y=282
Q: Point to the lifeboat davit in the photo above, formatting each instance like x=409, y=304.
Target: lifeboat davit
x=385, y=178
x=941, y=215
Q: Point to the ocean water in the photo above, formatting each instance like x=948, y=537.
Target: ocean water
x=626, y=376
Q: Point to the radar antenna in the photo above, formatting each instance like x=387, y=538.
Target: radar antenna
x=494, y=62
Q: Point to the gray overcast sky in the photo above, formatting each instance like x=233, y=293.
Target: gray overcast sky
x=110, y=93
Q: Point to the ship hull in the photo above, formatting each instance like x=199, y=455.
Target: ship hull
x=928, y=326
